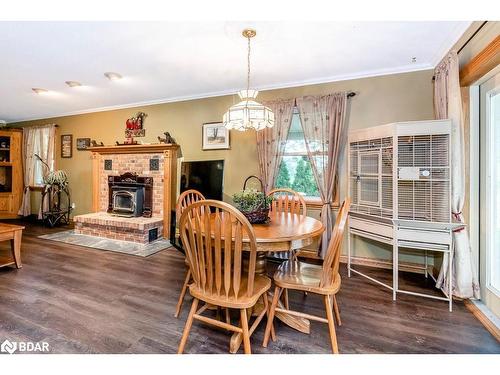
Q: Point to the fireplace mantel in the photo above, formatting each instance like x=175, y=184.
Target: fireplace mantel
x=164, y=175
x=134, y=149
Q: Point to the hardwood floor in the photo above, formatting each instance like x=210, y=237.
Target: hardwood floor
x=82, y=300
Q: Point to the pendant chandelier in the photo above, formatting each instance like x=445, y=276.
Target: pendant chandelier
x=248, y=113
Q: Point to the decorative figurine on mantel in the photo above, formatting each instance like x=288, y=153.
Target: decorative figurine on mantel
x=168, y=139
x=128, y=142
x=95, y=144
x=134, y=127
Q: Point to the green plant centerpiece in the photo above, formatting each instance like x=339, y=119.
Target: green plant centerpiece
x=253, y=204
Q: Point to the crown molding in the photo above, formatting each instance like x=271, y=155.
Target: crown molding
x=315, y=81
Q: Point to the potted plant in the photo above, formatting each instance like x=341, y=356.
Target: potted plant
x=253, y=204
x=56, y=201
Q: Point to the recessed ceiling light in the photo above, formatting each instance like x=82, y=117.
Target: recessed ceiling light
x=112, y=76
x=39, y=91
x=73, y=83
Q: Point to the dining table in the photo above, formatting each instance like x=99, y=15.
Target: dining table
x=284, y=232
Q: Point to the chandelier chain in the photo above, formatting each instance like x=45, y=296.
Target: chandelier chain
x=248, y=65
x=248, y=113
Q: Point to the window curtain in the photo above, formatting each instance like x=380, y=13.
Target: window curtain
x=323, y=122
x=29, y=164
x=448, y=105
x=38, y=140
x=46, y=151
x=271, y=142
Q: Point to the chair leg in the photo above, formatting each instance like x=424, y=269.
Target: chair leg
x=331, y=325
x=285, y=299
x=187, y=327
x=337, y=311
x=266, y=306
x=228, y=317
x=276, y=297
x=183, y=293
x=246, y=334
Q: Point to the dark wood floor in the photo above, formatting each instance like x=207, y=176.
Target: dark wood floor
x=82, y=300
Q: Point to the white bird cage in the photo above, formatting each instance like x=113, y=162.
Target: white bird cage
x=401, y=171
x=400, y=186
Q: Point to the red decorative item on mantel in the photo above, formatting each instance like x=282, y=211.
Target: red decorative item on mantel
x=134, y=126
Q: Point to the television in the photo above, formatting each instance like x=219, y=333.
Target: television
x=206, y=176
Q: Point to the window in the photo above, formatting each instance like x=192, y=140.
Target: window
x=295, y=169
x=43, y=146
x=493, y=191
x=489, y=192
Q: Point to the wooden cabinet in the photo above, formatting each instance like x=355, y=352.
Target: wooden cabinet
x=11, y=173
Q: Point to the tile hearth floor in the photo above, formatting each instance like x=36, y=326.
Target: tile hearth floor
x=82, y=300
x=131, y=248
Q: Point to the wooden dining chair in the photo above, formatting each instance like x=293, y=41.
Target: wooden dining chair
x=287, y=200
x=185, y=199
x=214, y=249
x=318, y=279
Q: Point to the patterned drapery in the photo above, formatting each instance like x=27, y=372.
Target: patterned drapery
x=323, y=121
x=448, y=105
x=271, y=141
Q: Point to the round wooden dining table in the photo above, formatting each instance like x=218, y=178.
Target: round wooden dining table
x=283, y=232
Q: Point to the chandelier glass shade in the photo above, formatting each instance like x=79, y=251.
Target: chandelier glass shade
x=248, y=113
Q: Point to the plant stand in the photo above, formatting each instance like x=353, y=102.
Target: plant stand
x=59, y=205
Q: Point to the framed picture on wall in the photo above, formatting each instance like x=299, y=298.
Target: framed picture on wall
x=215, y=136
x=82, y=143
x=66, y=145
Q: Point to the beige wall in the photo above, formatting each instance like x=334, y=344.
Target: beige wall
x=379, y=100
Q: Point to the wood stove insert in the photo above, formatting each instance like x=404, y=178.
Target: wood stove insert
x=130, y=195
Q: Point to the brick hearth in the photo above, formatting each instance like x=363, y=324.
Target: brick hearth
x=158, y=161
x=133, y=229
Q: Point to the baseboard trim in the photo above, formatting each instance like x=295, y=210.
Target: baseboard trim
x=483, y=318
x=387, y=264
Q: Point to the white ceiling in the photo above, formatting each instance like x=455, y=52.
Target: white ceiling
x=168, y=61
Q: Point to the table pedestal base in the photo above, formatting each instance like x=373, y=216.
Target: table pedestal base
x=300, y=324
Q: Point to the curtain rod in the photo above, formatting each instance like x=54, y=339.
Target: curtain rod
x=29, y=126
x=351, y=94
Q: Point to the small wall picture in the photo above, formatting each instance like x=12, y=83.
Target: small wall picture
x=215, y=136
x=82, y=143
x=66, y=145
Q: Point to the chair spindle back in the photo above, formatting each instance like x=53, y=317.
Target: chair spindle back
x=185, y=199
x=213, y=233
x=287, y=200
x=332, y=258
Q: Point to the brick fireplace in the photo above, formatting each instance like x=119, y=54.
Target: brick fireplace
x=133, y=190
